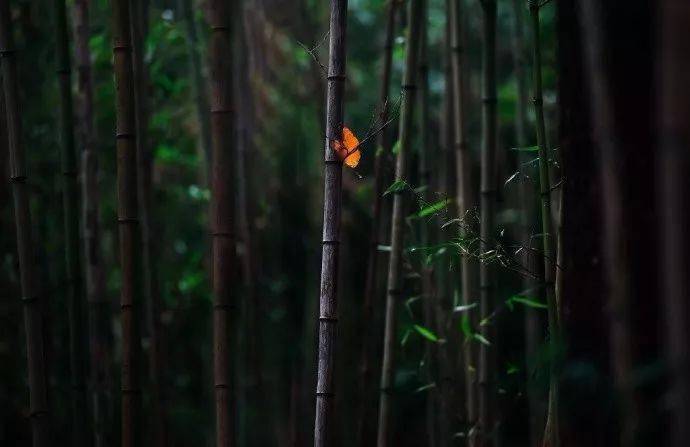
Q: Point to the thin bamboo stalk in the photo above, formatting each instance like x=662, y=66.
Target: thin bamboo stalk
x=409, y=85
x=383, y=143
x=437, y=399
x=528, y=200
x=198, y=88
x=151, y=296
x=486, y=404
x=39, y=412
x=222, y=223
x=673, y=168
x=128, y=220
x=70, y=206
x=328, y=300
x=98, y=306
x=548, y=239
x=465, y=200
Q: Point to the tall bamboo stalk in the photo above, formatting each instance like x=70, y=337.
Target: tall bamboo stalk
x=465, y=199
x=128, y=220
x=486, y=411
x=39, y=411
x=552, y=425
x=222, y=224
x=383, y=143
x=198, y=88
x=674, y=166
x=98, y=306
x=528, y=200
x=151, y=295
x=394, y=292
x=70, y=206
x=328, y=300
x=437, y=399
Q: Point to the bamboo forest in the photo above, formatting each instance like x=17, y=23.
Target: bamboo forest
x=386, y=223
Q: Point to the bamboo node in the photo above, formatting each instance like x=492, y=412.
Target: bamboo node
x=394, y=292
x=127, y=220
x=336, y=77
x=324, y=394
x=409, y=87
x=537, y=101
x=330, y=242
x=125, y=135
x=18, y=179
x=489, y=100
x=29, y=299
x=122, y=47
x=223, y=306
x=329, y=319
x=224, y=234
x=130, y=390
x=220, y=28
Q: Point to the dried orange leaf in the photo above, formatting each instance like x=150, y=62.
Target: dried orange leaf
x=348, y=148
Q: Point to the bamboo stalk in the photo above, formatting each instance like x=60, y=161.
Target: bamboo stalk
x=39, y=412
x=151, y=296
x=198, y=89
x=222, y=213
x=552, y=425
x=397, y=225
x=528, y=200
x=437, y=399
x=465, y=201
x=128, y=220
x=98, y=306
x=673, y=168
x=70, y=205
x=328, y=317
x=486, y=405
x=383, y=143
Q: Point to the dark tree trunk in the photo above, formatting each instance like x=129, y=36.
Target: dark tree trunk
x=222, y=214
x=98, y=305
x=70, y=206
x=328, y=301
x=395, y=265
x=38, y=393
x=383, y=144
x=128, y=220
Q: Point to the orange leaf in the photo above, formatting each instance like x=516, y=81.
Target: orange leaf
x=348, y=148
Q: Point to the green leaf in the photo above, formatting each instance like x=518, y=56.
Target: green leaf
x=406, y=336
x=464, y=307
x=396, y=148
x=528, y=301
x=512, y=369
x=426, y=333
x=526, y=149
x=465, y=326
x=428, y=386
x=481, y=339
x=433, y=208
x=397, y=186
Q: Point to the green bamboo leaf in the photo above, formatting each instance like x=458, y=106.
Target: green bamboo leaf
x=481, y=339
x=433, y=208
x=397, y=186
x=426, y=333
x=428, y=386
x=396, y=148
x=528, y=301
x=464, y=307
